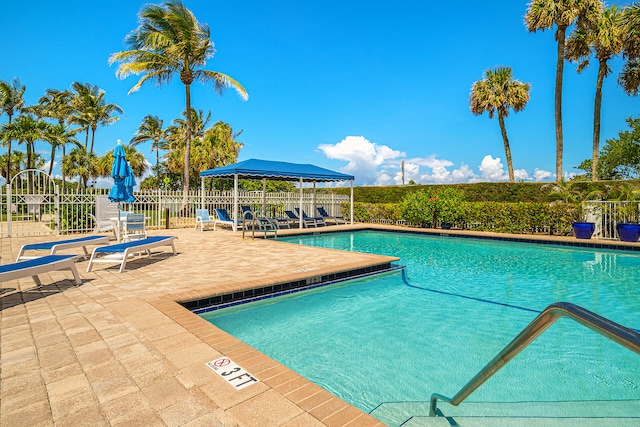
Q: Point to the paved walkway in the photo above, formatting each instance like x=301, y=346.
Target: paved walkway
x=119, y=350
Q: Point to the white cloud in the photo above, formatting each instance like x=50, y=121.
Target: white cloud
x=541, y=175
x=492, y=170
x=374, y=164
x=364, y=157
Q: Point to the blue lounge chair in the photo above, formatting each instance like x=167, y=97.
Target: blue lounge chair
x=58, y=245
x=337, y=219
x=306, y=218
x=35, y=266
x=223, y=218
x=120, y=253
x=203, y=218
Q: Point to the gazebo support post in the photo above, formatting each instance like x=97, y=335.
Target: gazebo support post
x=300, y=213
x=264, y=197
x=235, y=202
x=351, y=204
x=201, y=192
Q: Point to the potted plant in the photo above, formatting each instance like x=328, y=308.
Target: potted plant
x=570, y=195
x=627, y=226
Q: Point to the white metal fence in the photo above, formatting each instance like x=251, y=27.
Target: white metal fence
x=606, y=214
x=53, y=211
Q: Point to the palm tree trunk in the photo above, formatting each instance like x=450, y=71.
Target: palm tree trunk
x=560, y=36
x=507, y=148
x=9, y=155
x=53, y=154
x=61, y=168
x=8, y=161
x=93, y=138
x=187, y=152
x=597, y=108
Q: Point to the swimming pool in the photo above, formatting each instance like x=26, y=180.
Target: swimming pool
x=398, y=337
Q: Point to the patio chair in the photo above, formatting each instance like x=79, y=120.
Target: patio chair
x=337, y=219
x=203, y=218
x=103, y=219
x=223, y=218
x=318, y=220
x=35, y=266
x=121, y=252
x=295, y=219
x=134, y=227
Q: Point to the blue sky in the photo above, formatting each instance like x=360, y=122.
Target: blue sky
x=354, y=86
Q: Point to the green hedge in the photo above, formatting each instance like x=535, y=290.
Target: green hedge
x=478, y=192
x=519, y=218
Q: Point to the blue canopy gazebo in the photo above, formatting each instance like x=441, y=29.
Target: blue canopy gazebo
x=277, y=171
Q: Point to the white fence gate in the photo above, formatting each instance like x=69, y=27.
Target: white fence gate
x=31, y=205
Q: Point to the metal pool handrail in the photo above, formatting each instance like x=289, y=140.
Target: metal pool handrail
x=609, y=329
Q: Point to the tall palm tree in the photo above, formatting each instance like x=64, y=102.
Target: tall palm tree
x=151, y=130
x=170, y=41
x=11, y=102
x=629, y=77
x=499, y=92
x=56, y=105
x=603, y=37
x=544, y=15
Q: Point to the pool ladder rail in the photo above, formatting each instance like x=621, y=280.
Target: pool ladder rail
x=265, y=224
x=615, y=332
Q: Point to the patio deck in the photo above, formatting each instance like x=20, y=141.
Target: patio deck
x=119, y=349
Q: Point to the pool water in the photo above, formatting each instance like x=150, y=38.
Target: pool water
x=399, y=337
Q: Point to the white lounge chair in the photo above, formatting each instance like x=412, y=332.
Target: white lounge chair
x=35, y=266
x=203, y=218
x=120, y=252
x=58, y=245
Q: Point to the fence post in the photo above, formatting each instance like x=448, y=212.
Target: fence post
x=8, y=209
x=56, y=209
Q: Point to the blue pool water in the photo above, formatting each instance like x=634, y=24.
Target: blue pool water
x=401, y=336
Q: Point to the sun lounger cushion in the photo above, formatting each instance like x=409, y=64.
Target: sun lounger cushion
x=119, y=253
x=57, y=245
x=35, y=266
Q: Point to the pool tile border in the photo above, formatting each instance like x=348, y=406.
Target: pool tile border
x=218, y=302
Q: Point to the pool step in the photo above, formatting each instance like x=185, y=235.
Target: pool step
x=621, y=412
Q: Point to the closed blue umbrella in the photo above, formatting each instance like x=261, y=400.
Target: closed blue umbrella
x=123, y=179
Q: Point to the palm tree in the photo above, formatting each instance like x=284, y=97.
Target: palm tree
x=80, y=163
x=59, y=136
x=17, y=159
x=603, y=36
x=544, y=15
x=151, y=130
x=26, y=129
x=56, y=105
x=629, y=77
x=92, y=110
x=176, y=136
x=170, y=41
x=499, y=92
x=11, y=101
